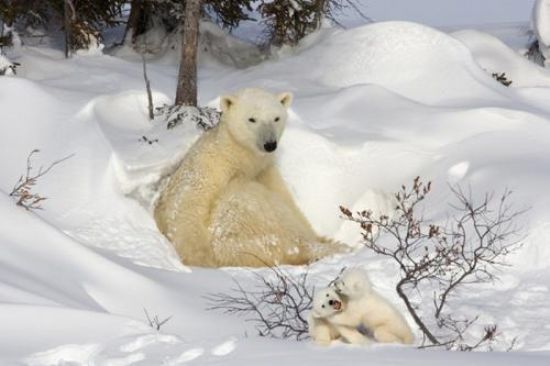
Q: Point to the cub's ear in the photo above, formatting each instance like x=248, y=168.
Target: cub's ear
x=285, y=99
x=226, y=102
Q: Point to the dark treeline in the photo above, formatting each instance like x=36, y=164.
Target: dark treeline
x=83, y=21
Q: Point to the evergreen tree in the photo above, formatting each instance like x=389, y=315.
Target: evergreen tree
x=288, y=21
x=170, y=14
x=81, y=20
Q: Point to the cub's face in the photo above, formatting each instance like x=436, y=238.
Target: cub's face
x=326, y=302
x=255, y=118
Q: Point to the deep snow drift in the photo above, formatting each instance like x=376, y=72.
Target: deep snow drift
x=374, y=107
x=541, y=26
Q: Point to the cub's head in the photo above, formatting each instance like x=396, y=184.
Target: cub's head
x=326, y=302
x=256, y=118
x=353, y=283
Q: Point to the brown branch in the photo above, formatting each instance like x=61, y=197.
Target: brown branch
x=22, y=190
x=148, y=89
x=277, y=304
x=442, y=257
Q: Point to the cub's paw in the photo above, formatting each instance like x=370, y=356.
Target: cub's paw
x=341, y=288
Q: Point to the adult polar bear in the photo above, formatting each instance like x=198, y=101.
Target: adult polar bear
x=227, y=205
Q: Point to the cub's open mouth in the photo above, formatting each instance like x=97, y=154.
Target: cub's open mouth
x=336, y=305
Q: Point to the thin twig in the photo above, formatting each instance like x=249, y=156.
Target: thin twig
x=148, y=88
x=22, y=190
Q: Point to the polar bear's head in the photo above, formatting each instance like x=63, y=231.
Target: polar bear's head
x=256, y=118
x=353, y=283
x=326, y=302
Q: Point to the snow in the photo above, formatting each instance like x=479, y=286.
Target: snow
x=495, y=57
x=374, y=107
x=6, y=67
x=541, y=26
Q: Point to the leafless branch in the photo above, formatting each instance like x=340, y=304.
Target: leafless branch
x=442, y=259
x=148, y=88
x=155, y=322
x=22, y=190
x=276, y=303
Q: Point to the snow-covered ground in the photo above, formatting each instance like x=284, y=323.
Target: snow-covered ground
x=374, y=107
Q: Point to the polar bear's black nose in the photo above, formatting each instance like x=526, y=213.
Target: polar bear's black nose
x=270, y=146
x=331, y=302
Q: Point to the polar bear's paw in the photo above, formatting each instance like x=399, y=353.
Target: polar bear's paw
x=353, y=283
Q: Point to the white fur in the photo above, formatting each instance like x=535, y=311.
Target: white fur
x=361, y=307
x=321, y=327
x=268, y=113
x=227, y=204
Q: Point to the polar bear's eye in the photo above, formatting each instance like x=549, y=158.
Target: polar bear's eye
x=327, y=295
x=277, y=119
x=322, y=306
x=253, y=120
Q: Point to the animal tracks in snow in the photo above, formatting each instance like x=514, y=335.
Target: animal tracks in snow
x=66, y=355
x=137, y=350
x=225, y=348
x=147, y=340
x=185, y=357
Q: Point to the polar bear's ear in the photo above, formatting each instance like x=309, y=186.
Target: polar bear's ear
x=226, y=102
x=285, y=99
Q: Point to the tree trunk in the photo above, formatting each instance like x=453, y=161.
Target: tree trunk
x=414, y=314
x=133, y=25
x=186, y=93
x=69, y=15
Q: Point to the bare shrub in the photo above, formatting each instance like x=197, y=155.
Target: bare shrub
x=155, y=322
x=22, y=190
x=277, y=303
x=534, y=53
x=437, y=261
x=502, y=78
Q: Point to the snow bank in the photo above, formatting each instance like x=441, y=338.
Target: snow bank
x=541, y=26
x=426, y=65
x=540, y=22
x=495, y=57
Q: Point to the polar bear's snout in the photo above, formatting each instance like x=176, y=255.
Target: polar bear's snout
x=336, y=305
x=267, y=139
x=270, y=146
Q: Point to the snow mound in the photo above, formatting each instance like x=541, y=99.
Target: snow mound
x=495, y=57
x=416, y=61
x=540, y=23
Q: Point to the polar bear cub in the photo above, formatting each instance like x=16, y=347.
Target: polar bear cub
x=327, y=303
x=349, y=304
